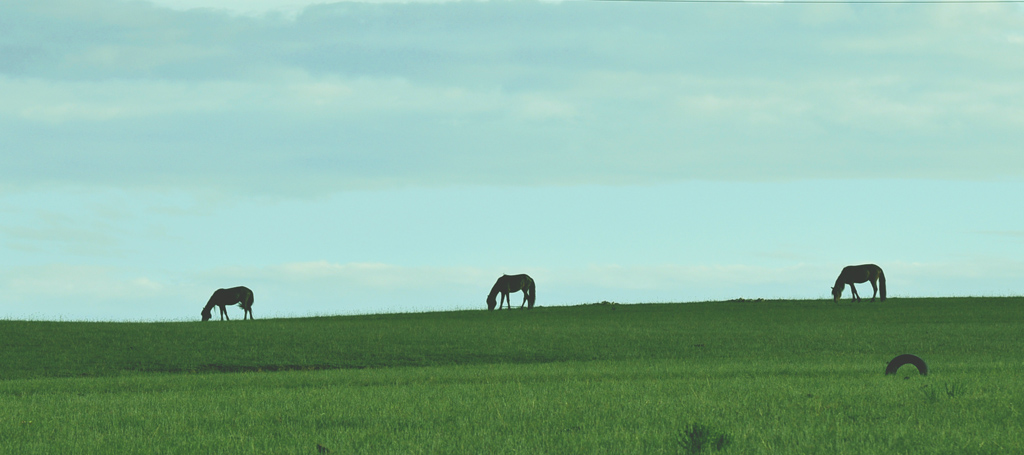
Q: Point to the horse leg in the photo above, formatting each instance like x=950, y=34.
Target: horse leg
x=874, y=290
x=224, y=313
x=856, y=296
x=525, y=295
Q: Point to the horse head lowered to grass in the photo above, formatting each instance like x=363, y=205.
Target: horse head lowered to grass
x=224, y=297
x=859, y=274
x=508, y=284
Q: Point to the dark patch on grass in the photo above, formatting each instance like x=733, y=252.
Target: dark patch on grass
x=698, y=438
x=220, y=368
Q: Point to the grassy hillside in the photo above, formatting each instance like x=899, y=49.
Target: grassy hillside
x=940, y=329
x=720, y=377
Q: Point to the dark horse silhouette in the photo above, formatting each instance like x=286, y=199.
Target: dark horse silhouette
x=859, y=274
x=508, y=284
x=224, y=297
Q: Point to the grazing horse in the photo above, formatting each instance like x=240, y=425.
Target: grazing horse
x=859, y=274
x=508, y=284
x=224, y=297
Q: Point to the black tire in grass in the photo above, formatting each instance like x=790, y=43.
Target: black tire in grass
x=904, y=359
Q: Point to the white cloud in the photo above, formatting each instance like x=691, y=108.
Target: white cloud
x=103, y=101
x=239, y=6
x=369, y=275
x=674, y=276
x=294, y=94
x=75, y=284
x=349, y=95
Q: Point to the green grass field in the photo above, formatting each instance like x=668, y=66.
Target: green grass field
x=716, y=377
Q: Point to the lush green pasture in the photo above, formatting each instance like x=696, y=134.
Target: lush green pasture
x=760, y=377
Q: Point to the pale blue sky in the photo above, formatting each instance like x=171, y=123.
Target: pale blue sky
x=362, y=157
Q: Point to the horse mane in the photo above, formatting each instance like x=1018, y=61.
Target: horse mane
x=494, y=291
x=840, y=283
x=206, y=313
x=491, y=301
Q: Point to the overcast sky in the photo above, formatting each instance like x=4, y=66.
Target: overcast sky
x=363, y=157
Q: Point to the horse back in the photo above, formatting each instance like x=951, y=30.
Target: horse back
x=524, y=279
x=860, y=273
x=231, y=296
x=516, y=283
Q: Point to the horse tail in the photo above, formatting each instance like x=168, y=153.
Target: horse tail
x=881, y=283
x=248, y=299
x=533, y=293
